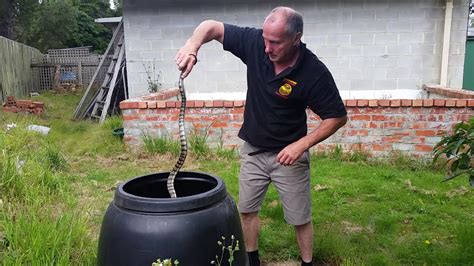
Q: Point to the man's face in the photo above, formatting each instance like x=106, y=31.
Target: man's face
x=279, y=45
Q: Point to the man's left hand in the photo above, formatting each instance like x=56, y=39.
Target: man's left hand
x=291, y=153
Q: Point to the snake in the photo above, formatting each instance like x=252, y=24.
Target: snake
x=182, y=140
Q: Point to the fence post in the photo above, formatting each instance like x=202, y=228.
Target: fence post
x=79, y=75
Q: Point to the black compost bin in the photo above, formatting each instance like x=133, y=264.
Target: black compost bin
x=143, y=223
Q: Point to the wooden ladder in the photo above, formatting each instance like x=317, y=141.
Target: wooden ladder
x=93, y=103
x=101, y=103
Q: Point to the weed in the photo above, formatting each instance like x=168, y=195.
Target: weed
x=161, y=145
x=152, y=77
x=231, y=249
x=165, y=262
x=113, y=122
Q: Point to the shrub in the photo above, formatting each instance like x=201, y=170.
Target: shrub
x=458, y=147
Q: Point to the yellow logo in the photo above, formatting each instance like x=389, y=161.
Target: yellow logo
x=286, y=88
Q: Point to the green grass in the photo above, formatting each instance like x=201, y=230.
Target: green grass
x=54, y=190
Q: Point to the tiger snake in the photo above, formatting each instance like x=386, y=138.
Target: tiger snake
x=182, y=140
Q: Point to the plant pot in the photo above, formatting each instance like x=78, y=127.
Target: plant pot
x=118, y=132
x=143, y=223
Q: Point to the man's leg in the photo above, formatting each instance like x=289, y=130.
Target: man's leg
x=304, y=235
x=251, y=228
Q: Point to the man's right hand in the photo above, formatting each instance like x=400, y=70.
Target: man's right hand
x=185, y=59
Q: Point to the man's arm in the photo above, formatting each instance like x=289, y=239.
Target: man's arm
x=206, y=31
x=326, y=128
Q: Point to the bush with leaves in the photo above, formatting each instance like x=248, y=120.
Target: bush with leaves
x=459, y=150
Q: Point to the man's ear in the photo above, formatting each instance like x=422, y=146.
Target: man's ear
x=298, y=39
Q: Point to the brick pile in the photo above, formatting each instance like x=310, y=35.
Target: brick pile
x=23, y=106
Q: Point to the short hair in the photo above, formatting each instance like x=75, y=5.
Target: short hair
x=294, y=20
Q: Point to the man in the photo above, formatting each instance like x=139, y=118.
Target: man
x=283, y=79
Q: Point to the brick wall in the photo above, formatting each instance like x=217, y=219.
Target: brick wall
x=376, y=126
x=375, y=49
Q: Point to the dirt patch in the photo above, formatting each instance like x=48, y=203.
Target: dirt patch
x=462, y=190
x=350, y=228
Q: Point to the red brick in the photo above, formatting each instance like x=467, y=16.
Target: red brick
x=373, y=103
x=461, y=103
x=392, y=139
x=218, y=103
x=238, y=103
x=361, y=132
x=237, y=110
x=228, y=104
x=178, y=104
x=417, y=103
x=426, y=133
x=362, y=103
x=38, y=104
x=377, y=147
x=450, y=103
x=216, y=124
x=470, y=103
x=439, y=102
x=142, y=105
x=373, y=125
x=428, y=102
x=199, y=104
x=406, y=103
x=423, y=148
x=190, y=104
x=385, y=103
x=128, y=105
x=208, y=103
x=10, y=109
x=170, y=104
x=360, y=117
x=351, y=103
x=395, y=103
x=161, y=104
x=130, y=117
x=419, y=125
x=23, y=103
x=151, y=105
x=152, y=118
x=379, y=118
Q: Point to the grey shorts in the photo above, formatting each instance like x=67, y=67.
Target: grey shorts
x=292, y=183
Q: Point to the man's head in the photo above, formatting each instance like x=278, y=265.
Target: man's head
x=282, y=31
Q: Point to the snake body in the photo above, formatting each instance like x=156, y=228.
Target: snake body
x=182, y=139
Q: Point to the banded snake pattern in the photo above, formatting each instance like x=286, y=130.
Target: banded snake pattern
x=182, y=139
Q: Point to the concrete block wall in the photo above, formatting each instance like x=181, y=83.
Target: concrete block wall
x=375, y=48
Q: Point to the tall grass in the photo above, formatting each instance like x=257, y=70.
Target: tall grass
x=54, y=190
x=40, y=223
x=161, y=145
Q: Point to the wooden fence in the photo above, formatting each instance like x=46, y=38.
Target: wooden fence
x=16, y=75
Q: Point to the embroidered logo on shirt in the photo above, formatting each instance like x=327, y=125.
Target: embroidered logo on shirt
x=286, y=88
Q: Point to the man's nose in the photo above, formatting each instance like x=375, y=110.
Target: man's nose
x=268, y=49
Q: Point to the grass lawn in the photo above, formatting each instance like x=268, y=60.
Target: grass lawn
x=54, y=190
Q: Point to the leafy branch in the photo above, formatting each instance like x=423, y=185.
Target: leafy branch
x=459, y=151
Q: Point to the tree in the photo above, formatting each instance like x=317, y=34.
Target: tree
x=6, y=18
x=50, y=24
x=54, y=25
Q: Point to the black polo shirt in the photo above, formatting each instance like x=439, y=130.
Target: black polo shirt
x=275, y=108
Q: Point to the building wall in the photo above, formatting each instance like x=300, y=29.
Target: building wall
x=374, y=48
x=378, y=127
